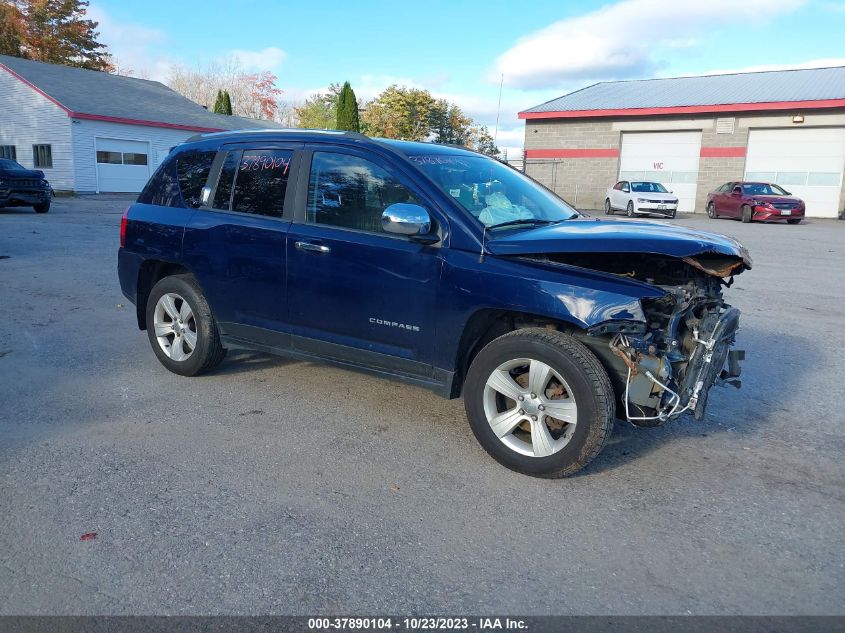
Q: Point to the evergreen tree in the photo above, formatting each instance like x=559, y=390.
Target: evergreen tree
x=53, y=31
x=347, y=110
x=218, y=103
x=227, y=103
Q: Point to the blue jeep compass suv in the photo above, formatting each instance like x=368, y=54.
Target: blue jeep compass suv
x=437, y=266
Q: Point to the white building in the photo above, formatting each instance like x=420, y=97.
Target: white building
x=92, y=132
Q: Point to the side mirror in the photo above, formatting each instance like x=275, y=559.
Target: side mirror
x=403, y=218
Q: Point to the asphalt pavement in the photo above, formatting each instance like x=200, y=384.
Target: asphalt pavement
x=272, y=486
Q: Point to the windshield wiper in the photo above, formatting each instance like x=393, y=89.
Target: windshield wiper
x=521, y=221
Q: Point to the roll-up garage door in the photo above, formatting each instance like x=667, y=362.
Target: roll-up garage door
x=670, y=158
x=122, y=165
x=806, y=162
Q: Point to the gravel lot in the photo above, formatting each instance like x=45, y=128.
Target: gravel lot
x=273, y=486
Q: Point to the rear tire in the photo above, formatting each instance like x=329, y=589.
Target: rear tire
x=746, y=214
x=794, y=221
x=181, y=328
x=42, y=208
x=608, y=210
x=711, y=211
x=630, y=210
x=566, y=378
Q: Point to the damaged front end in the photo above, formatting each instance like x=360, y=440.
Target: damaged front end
x=686, y=346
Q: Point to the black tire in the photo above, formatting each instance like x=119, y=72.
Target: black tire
x=630, y=210
x=42, y=208
x=711, y=211
x=209, y=351
x=794, y=221
x=591, y=389
x=608, y=210
x=746, y=214
x=672, y=215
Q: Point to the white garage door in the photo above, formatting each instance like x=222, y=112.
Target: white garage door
x=670, y=158
x=122, y=166
x=806, y=162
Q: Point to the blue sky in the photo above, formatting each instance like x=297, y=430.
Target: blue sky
x=459, y=49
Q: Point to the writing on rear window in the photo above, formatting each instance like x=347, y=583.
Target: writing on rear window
x=257, y=162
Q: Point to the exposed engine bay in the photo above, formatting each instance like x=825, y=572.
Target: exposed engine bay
x=685, y=347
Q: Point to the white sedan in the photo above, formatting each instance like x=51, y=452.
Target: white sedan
x=640, y=198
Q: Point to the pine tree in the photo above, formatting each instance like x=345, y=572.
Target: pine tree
x=53, y=31
x=347, y=110
x=218, y=103
x=227, y=103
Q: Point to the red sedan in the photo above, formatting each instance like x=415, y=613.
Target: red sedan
x=761, y=201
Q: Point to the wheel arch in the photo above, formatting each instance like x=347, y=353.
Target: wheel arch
x=150, y=273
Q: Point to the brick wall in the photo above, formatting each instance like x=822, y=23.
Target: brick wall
x=723, y=159
x=580, y=181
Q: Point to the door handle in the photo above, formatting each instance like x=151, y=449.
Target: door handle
x=311, y=247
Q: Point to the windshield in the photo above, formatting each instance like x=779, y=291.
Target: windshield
x=648, y=187
x=492, y=192
x=8, y=163
x=763, y=189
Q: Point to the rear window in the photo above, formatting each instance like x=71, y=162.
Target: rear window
x=179, y=180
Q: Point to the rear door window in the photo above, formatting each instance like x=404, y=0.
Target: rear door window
x=254, y=181
x=192, y=169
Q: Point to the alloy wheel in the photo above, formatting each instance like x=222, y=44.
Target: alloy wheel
x=175, y=326
x=530, y=407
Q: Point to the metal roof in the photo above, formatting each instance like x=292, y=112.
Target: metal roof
x=812, y=84
x=102, y=95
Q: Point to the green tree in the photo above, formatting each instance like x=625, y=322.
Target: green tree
x=227, y=103
x=481, y=141
x=54, y=31
x=401, y=113
x=218, y=103
x=319, y=111
x=347, y=109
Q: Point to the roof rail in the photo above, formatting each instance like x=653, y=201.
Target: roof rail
x=270, y=130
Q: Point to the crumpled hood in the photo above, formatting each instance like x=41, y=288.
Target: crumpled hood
x=599, y=235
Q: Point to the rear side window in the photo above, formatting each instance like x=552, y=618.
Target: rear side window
x=254, y=182
x=192, y=169
x=179, y=180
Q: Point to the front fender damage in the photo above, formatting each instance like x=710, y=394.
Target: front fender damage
x=669, y=362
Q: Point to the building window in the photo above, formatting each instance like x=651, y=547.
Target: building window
x=42, y=155
x=105, y=157
x=8, y=151
x=134, y=158
x=109, y=158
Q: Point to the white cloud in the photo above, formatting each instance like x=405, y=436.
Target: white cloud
x=269, y=58
x=621, y=40
x=132, y=46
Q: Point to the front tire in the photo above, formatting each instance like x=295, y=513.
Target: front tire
x=630, y=210
x=794, y=221
x=539, y=402
x=746, y=214
x=181, y=328
x=42, y=208
x=608, y=210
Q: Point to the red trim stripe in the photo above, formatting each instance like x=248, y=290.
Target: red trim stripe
x=590, y=152
x=115, y=119
x=696, y=109
x=111, y=119
x=722, y=152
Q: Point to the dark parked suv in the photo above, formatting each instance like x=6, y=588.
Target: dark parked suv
x=22, y=187
x=435, y=266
